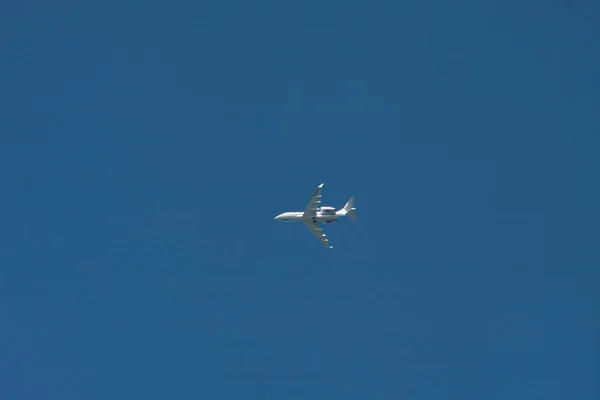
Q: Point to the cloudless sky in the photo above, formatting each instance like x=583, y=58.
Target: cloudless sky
x=146, y=146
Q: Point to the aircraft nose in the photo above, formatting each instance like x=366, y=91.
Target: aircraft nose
x=280, y=217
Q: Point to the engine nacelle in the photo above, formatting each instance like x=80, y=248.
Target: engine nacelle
x=327, y=210
x=330, y=221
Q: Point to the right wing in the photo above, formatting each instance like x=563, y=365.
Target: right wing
x=313, y=204
x=318, y=232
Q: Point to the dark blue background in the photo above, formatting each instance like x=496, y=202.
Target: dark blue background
x=145, y=148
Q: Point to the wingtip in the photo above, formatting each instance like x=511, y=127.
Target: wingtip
x=321, y=185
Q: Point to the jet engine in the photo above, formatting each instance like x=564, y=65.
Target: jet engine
x=328, y=210
x=330, y=221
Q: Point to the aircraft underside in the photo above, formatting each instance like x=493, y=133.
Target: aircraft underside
x=314, y=215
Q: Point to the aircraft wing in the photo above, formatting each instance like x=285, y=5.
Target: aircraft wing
x=313, y=204
x=318, y=232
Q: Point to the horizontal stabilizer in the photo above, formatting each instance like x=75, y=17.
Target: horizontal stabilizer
x=349, y=208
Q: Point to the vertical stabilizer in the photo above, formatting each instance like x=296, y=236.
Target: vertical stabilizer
x=349, y=209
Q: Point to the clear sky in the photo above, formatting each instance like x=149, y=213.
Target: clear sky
x=146, y=146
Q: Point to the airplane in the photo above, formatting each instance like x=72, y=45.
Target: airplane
x=314, y=215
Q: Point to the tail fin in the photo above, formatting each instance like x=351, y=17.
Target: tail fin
x=349, y=209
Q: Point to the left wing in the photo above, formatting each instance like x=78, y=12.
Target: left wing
x=318, y=232
x=313, y=204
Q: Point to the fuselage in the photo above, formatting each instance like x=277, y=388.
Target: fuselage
x=321, y=217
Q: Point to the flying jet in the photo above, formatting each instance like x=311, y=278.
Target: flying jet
x=314, y=215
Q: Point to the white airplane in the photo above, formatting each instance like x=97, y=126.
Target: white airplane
x=313, y=215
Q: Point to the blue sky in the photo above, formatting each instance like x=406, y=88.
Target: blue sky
x=145, y=148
